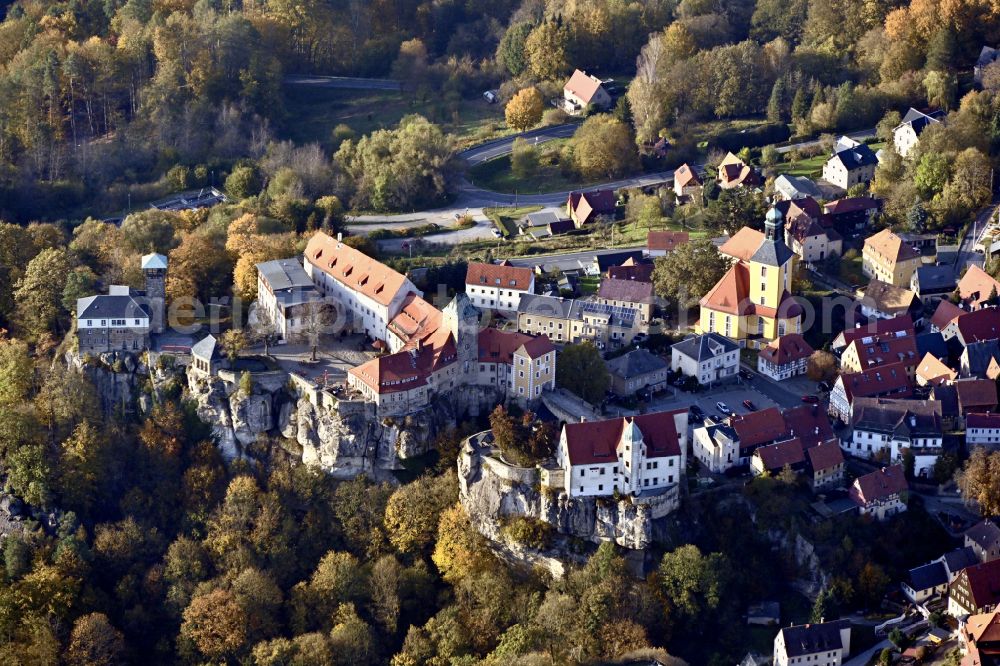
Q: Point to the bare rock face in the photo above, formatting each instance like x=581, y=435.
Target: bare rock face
x=492, y=491
x=252, y=415
x=213, y=407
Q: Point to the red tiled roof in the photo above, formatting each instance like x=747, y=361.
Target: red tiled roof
x=596, y=442
x=878, y=381
x=879, y=484
x=776, y=456
x=878, y=327
x=582, y=86
x=632, y=271
x=976, y=394
x=945, y=313
x=979, y=326
x=786, y=349
x=684, y=175
x=984, y=583
x=496, y=346
x=539, y=346
x=407, y=369
x=588, y=205
x=354, y=269
x=933, y=371
x=810, y=424
x=987, y=420
x=758, y=428
x=666, y=240
x=416, y=320
x=629, y=291
x=851, y=205
x=731, y=294
x=879, y=350
x=825, y=456
x=743, y=244
x=976, y=286
x=794, y=209
x=503, y=276
x=889, y=245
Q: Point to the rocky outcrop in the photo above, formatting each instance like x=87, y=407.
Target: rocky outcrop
x=493, y=492
x=124, y=382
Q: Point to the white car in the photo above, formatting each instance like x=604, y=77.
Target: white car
x=723, y=407
x=496, y=233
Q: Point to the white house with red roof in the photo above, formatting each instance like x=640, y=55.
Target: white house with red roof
x=784, y=357
x=498, y=286
x=886, y=381
x=631, y=455
x=982, y=430
x=881, y=493
x=583, y=90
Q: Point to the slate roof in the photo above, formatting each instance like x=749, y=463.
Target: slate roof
x=918, y=120
x=632, y=270
x=979, y=354
x=207, y=347
x=546, y=306
x=773, y=252
x=984, y=534
x=807, y=639
x=928, y=576
x=855, y=157
x=898, y=418
x=932, y=343
x=106, y=306
x=636, y=363
x=958, y=559
x=705, y=347
x=282, y=274
x=935, y=279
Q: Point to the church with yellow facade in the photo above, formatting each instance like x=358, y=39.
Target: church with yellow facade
x=752, y=303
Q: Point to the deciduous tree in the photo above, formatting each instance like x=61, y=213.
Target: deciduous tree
x=582, y=371
x=603, y=147
x=689, y=272
x=524, y=110
x=94, y=641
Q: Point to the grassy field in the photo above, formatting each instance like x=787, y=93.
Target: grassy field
x=312, y=113
x=496, y=174
x=812, y=167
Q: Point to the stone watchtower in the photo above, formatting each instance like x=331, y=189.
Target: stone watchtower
x=154, y=269
x=461, y=317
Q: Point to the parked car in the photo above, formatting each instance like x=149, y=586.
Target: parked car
x=749, y=405
x=746, y=374
x=723, y=407
x=811, y=399
x=695, y=414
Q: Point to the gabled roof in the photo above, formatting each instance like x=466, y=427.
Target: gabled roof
x=704, y=347
x=354, y=269
x=825, y=456
x=733, y=171
x=978, y=356
x=890, y=246
x=928, y=576
x=958, y=559
x=583, y=86
x=855, y=157
x=629, y=291
x=596, y=442
x=786, y=349
x=588, y=205
x=776, y=456
x=984, y=627
x=878, y=485
x=496, y=346
x=976, y=394
x=536, y=347
x=984, y=534
x=731, y=294
x=932, y=343
x=684, y=175
x=888, y=298
x=632, y=270
x=636, y=363
x=933, y=371
x=807, y=639
x=499, y=276
x=743, y=244
x=945, y=313
x=874, y=327
x=282, y=274
x=874, y=351
x=756, y=428
x=918, y=120
x=107, y=306
x=899, y=418
x=407, y=369
x=793, y=186
x=666, y=241
x=851, y=205
x=976, y=286
x=810, y=424
x=416, y=320
x=980, y=325
x=878, y=381
x=984, y=583
x=935, y=279
x=987, y=421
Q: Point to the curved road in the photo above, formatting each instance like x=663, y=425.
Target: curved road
x=500, y=147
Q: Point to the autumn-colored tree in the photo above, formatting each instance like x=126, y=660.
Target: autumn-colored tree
x=94, y=641
x=547, y=50
x=821, y=366
x=524, y=110
x=979, y=481
x=39, y=293
x=233, y=341
x=460, y=550
x=414, y=510
x=216, y=624
x=603, y=147
x=16, y=372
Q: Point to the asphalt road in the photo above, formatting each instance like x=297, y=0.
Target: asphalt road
x=859, y=135
x=345, y=82
x=500, y=147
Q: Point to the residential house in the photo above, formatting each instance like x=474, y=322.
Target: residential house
x=756, y=429
x=630, y=456
x=111, y=322
x=206, y=357
x=945, y=319
x=873, y=328
x=716, y=446
x=987, y=56
x=522, y=366
x=662, y=243
x=752, y=303
x=984, y=540
x=632, y=269
x=811, y=241
x=932, y=283
x=288, y=299
x=875, y=351
x=906, y=135
x=976, y=395
x=687, y=184
x=888, y=258
x=977, y=288
x=810, y=424
x=784, y=357
x=932, y=371
x=881, y=493
x=979, y=326
x=934, y=344
x=956, y=560
x=881, y=300
x=743, y=244
x=708, y=358
x=734, y=172
x=826, y=465
x=789, y=187
x=582, y=91
x=632, y=294
x=982, y=430
x=567, y=320
x=772, y=458
x=852, y=163
x=637, y=371
x=979, y=640
x=585, y=207
x=824, y=644
x=975, y=590
x=884, y=429
x=544, y=224
x=926, y=582
x=981, y=359
x=888, y=381
x=950, y=413
x=925, y=244
x=852, y=215
x=366, y=293
x=498, y=286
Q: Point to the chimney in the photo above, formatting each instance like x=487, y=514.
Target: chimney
x=583, y=419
